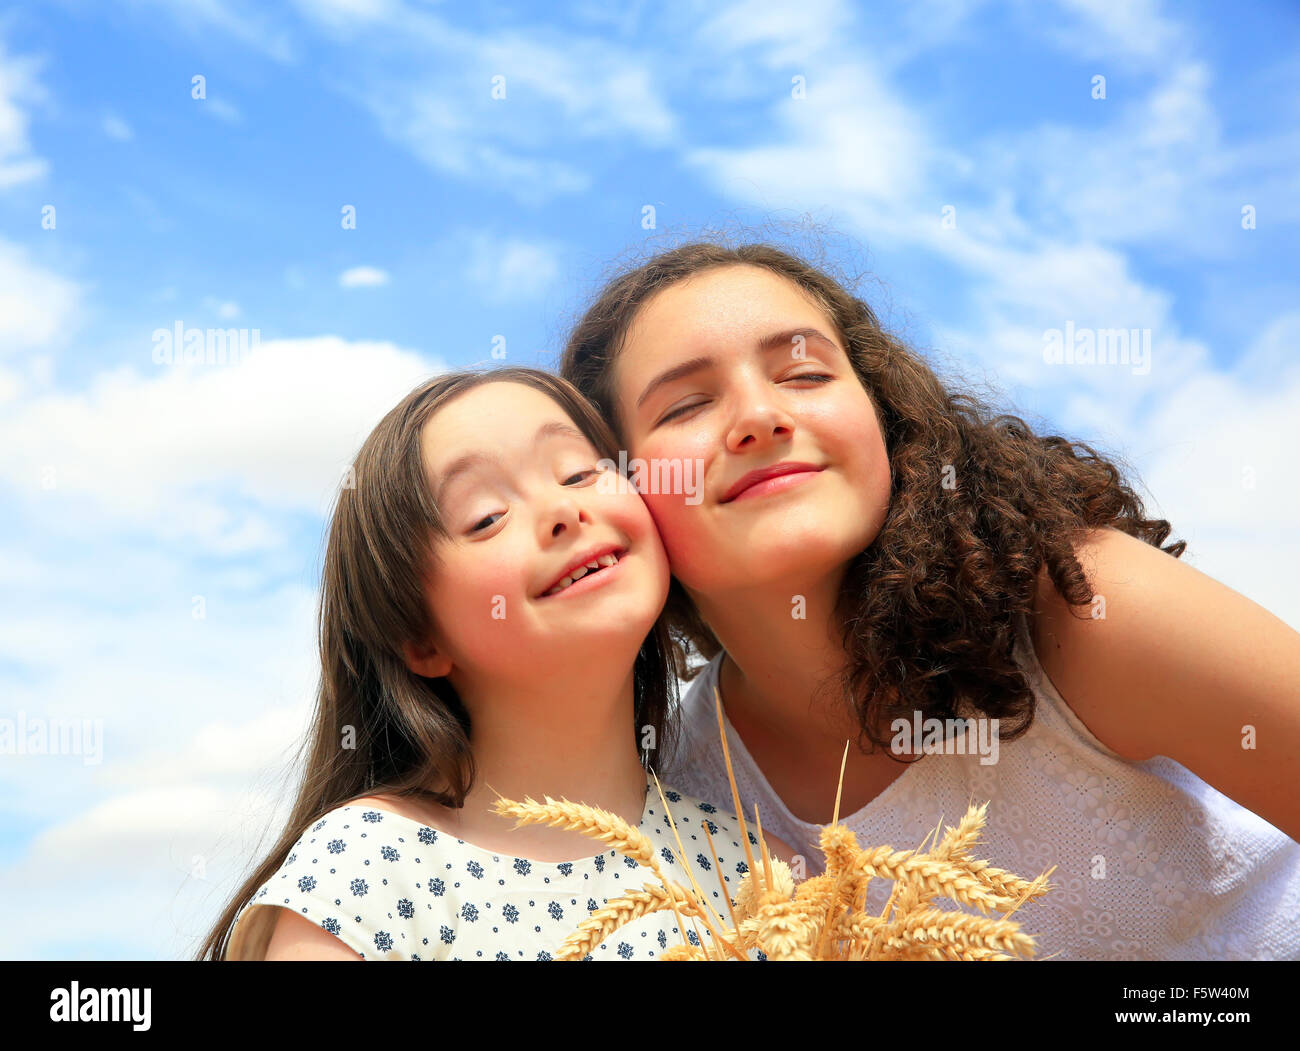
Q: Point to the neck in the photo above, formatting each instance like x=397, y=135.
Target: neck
x=566, y=736
x=783, y=661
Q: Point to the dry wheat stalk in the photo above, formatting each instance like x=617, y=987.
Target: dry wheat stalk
x=821, y=918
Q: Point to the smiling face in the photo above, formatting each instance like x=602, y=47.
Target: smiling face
x=757, y=375
x=516, y=483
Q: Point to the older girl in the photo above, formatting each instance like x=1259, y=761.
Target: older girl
x=874, y=549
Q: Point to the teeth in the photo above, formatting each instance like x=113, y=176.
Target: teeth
x=604, y=561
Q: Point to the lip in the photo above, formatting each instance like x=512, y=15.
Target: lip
x=753, y=478
x=590, y=556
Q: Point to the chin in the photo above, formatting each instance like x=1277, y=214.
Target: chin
x=792, y=563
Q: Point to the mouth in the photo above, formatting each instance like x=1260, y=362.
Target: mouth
x=583, y=574
x=770, y=479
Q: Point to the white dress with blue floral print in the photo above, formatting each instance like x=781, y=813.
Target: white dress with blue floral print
x=392, y=888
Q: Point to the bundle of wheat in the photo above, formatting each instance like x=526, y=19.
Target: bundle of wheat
x=821, y=918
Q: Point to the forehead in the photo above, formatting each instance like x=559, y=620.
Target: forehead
x=491, y=415
x=723, y=307
x=732, y=300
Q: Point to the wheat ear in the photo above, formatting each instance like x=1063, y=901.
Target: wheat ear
x=620, y=912
x=590, y=821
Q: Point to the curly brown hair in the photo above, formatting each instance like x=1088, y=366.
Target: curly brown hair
x=979, y=504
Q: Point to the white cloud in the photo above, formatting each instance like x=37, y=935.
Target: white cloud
x=115, y=833
x=226, y=310
x=347, y=14
x=558, y=89
x=848, y=139
x=363, y=277
x=18, y=85
x=1136, y=31
x=237, y=752
x=10, y=386
x=458, y=142
x=244, y=20
x=37, y=306
x=510, y=269
x=116, y=128
x=221, y=109
x=1153, y=169
x=204, y=454
x=166, y=861
x=200, y=722
x=784, y=35
x=1219, y=458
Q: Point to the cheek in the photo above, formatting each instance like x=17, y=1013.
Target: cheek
x=638, y=522
x=860, y=436
x=681, y=529
x=475, y=601
x=683, y=519
x=860, y=449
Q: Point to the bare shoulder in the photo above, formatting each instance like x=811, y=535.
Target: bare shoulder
x=392, y=804
x=1094, y=654
x=779, y=848
x=425, y=812
x=296, y=937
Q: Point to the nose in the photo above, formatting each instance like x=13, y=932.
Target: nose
x=563, y=512
x=761, y=420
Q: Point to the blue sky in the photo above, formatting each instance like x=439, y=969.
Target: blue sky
x=129, y=488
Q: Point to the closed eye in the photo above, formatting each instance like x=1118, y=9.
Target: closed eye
x=483, y=523
x=819, y=377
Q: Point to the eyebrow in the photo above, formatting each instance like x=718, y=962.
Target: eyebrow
x=470, y=461
x=765, y=345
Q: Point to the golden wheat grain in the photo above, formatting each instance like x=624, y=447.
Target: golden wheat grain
x=684, y=951
x=590, y=821
x=934, y=925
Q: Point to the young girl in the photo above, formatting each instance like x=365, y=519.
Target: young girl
x=488, y=624
x=873, y=551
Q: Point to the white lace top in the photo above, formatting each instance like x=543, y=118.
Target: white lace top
x=392, y=888
x=1152, y=862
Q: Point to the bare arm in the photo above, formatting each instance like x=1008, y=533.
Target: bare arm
x=297, y=938
x=1180, y=666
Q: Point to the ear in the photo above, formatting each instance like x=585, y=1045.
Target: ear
x=425, y=660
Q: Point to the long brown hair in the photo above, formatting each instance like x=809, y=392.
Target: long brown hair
x=378, y=726
x=927, y=611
